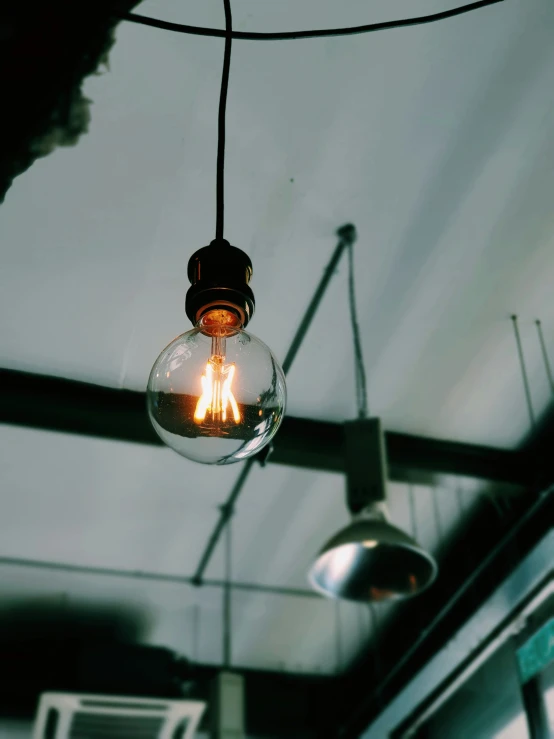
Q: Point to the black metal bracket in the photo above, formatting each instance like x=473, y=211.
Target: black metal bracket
x=366, y=463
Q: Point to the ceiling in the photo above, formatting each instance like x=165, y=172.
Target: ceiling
x=435, y=141
x=113, y=511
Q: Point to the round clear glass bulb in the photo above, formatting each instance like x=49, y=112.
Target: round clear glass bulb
x=216, y=394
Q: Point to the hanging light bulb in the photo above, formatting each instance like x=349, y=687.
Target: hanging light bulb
x=216, y=394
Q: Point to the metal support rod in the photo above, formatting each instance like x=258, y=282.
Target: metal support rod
x=524, y=372
x=347, y=235
x=547, y=366
x=226, y=512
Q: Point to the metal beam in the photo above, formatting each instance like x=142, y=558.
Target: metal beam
x=57, y=404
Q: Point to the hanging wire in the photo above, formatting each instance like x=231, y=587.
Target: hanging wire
x=524, y=372
x=227, y=594
x=413, y=515
x=361, y=383
x=319, y=33
x=437, y=515
x=545, y=355
x=220, y=185
x=338, y=638
x=376, y=651
x=361, y=627
x=415, y=535
x=460, y=499
x=195, y=632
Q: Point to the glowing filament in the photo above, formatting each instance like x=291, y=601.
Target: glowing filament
x=217, y=395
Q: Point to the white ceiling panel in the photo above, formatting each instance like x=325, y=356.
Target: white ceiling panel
x=179, y=617
x=282, y=518
x=109, y=504
x=269, y=632
x=283, y=632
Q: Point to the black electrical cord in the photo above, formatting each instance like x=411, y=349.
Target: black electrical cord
x=361, y=383
x=318, y=33
x=220, y=198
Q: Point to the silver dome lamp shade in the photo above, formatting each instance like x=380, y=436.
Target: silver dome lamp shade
x=370, y=559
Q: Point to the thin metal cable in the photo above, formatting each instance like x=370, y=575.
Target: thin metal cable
x=195, y=632
x=376, y=650
x=413, y=515
x=220, y=169
x=361, y=627
x=338, y=638
x=460, y=499
x=436, y=513
x=319, y=33
x=227, y=595
x=361, y=383
x=415, y=536
x=545, y=356
x=524, y=372
x=370, y=628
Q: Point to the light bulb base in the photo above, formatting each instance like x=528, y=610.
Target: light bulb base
x=219, y=275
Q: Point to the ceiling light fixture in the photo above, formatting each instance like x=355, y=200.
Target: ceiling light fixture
x=370, y=559
x=216, y=394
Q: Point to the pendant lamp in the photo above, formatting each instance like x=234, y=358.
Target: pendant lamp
x=216, y=394
x=370, y=559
